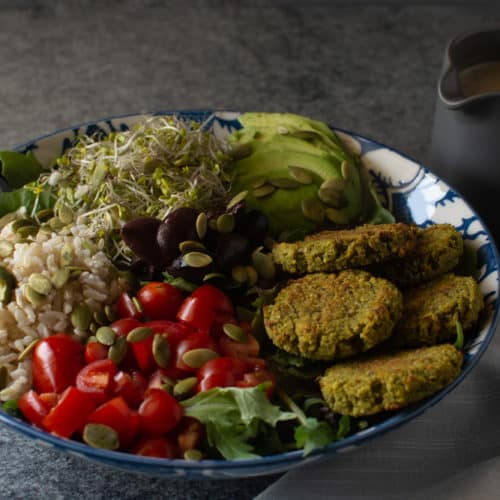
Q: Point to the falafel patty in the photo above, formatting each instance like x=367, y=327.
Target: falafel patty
x=389, y=381
x=331, y=316
x=431, y=311
x=328, y=251
x=438, y=251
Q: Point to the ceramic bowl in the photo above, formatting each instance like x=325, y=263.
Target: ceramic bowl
x=410, y=191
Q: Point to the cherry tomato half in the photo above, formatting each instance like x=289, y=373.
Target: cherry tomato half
x=55, y=362
x=94, y=351
x=196, y=312
x=126, y=308
x=159, y=412
x=32, y=407
x=195, y=340
x=123, y=326
x=97, y=379
x=256, y=378
x=215, y=299
x=241, y=350
x=220, y=372
x=131, y=387
x=159, y=447
x=160, y=300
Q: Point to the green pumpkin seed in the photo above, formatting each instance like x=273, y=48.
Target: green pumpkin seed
x=35, y=298
x=335, y=183
x=5, y=291
x=100, y=317
x=92, y=338
x=313, y=210
x=118, y=350
x=258, y=182
x=110, y=313
x=161, y=350
x=336, y=216
x=212, y=224
x=93, y=328
x=263, y=191
x=201, y=225
x=301, y=175
x=264, y=265
x=40, y=283
x=237, y=199
x=239, y=274
x=4, y=377
x=27, y=231
x=139, y=334
x=193, y=454
x=66, y=257
x=235, y=333
x=211, y=276
x=284, y=183
x=60, y=277
x=167, y=383
x=244, y=314
x=27, y=350
x=101, y=436
x=6, y=248
x=197, y=259
x=195, y=358
x=332, y=197
x=45, y=214
x=240, y=151
x=185, y=386
x=190, y=246
x=252, y=276
x=19, y=223
x=55, y=224
x=66, y=215
x=348, y=171
x=81, y=316
x=137, y=304
x=225, y=223
x=105, y=335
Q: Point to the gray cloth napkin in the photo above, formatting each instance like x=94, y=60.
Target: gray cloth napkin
x=448, y=452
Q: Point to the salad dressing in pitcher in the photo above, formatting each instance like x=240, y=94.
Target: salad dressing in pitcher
x=480, y=78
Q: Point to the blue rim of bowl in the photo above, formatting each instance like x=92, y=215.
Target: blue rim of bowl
x=361, y=437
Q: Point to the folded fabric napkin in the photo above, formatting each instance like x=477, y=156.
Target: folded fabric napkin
x=449, y=452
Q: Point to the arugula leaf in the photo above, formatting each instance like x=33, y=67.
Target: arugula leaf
x=313, y=434
x=231, y=416
x=19, y=169
x=180, y=283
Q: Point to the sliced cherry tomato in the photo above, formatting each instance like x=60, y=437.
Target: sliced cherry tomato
x=116, y=413
x=160, y=300
x=173, y=330
x=256, y=378
x=220, y=372
x=143, y=353
x=196, y=340
x=155, y=447
x=94, y=351
x=50, y=399
x=215, y=299
x=70, y=413
x=131, y=387
x=197, y=313
x=241, y=350
x=189, y=433
x=126, y=308
x=123, y=326
x=55, y=362
x=33, y=407
x=97, y=379
x=159, y=412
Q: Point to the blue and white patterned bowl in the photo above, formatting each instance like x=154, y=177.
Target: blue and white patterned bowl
x=410, y=191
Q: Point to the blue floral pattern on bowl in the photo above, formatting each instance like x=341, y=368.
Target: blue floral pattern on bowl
x=408, y=189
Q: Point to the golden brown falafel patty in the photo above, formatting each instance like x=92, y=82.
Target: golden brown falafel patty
x=389, y=381
x=431, y=311
x=330, y=316
x=343, y=249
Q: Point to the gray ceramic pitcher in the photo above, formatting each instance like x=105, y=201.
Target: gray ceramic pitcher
x=465, y=149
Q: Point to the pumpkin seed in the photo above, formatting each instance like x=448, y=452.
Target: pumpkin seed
x=244, y=314
x=263, y=191
x=81, y=316
x=239, y=274
x=258, y=182
x=253, y=277
x=167, y=383
x=27, y=231
x=66, y=215
x=235, y=333
x=4, y=377
x=19, y=223
x=336, y=216
x=238, y=198
x=332, y=197
x=27, y=350
x=240, y=151
x=225, y=223
x=212, y=224
x=284, y=183
x=185, y=386
x=60, y=277
x=161, y=350
x=300, y=174
x=190, y=246
x=118, y=350
x=197, y=259
x=100, y=317
x=101, y=436
x=6, y=248
x=195, y=358
x=35, y=298
x=45, y=214
x=264, y=265
x=211, y=276
x=137, y=304
x=66, y=257
x=92, y=338
x=110, y=313
x=55, y=224
x=348, y=171
x=193, y=454
x=93, y=328
x=313, y=210
x=40, y=283
x=335, y=183
x=5, y=291
x=139, y=334
x=105, y=335
x=201, y=225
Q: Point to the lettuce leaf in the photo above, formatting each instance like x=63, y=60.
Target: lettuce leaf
x=19, y=169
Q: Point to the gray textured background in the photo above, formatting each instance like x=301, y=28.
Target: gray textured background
x=369, y=68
